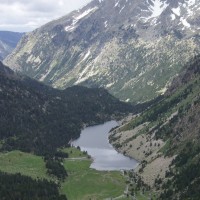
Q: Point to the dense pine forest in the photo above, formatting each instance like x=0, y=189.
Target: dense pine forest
x=36, y=118
x=16, y=186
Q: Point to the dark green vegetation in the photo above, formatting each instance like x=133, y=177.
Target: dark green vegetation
x=36, y=118
x=16, y=186
x=24, y=163
x=176, y=120
x=56, y=168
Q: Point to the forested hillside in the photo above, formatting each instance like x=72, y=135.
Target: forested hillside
x=16, y=186
x=37, y=118
x=166, y=138
x=40, y=120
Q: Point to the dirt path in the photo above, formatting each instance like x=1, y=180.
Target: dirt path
x=80, y=158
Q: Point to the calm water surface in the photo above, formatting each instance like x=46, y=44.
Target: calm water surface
x=94, y=140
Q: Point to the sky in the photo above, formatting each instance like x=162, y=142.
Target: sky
x=27, y=15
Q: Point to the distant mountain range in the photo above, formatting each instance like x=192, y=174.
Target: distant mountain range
x=8, y=41
x=132, y=48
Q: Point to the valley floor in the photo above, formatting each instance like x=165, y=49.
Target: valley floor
x=81, y=183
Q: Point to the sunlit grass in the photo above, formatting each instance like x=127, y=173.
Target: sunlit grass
x=24, y=163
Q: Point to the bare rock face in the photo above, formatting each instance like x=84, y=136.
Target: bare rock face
x=132, y=48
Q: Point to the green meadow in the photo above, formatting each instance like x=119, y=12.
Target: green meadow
x=24, y=163
x=74, y=152
x=85, y=183
x=82, y=182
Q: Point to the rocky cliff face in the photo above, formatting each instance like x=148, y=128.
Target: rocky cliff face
x=132, y=48
x=8, y=41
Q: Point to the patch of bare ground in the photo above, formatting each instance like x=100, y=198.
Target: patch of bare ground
x=144, y=148
x=155, y=169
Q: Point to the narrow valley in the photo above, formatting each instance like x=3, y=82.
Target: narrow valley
x=100, y=103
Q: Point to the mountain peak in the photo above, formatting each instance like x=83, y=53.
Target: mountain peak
x=132, y=48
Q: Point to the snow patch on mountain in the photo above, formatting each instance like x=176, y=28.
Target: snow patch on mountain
x=106, y=24
x=173, y=16
x=121, y=9
x=85, y=13
x=157, y=8
x=116, y=3
x=184, y=22
x=77, y=18
x=177, y=11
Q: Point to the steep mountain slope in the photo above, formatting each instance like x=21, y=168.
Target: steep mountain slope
x=132, y=48
x=8, y=41
x=37, y=118
x=165, y=138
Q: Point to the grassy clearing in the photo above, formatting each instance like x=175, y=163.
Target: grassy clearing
x=84, y=183
x=24, y=163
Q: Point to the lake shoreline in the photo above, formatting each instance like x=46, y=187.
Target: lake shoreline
x=94, y=140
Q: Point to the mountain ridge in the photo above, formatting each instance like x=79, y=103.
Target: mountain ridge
x=126, y=47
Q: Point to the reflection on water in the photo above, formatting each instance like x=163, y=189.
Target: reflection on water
x=94, y=140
